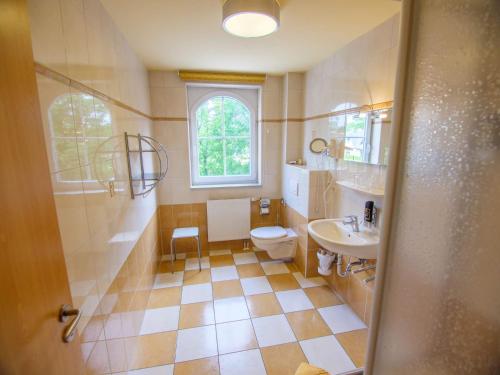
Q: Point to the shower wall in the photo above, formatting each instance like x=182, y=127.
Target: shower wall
x=440, y=311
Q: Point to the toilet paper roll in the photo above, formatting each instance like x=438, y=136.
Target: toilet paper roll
x=264, y=210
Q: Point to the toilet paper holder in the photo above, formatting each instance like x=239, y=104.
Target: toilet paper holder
x=265, y=204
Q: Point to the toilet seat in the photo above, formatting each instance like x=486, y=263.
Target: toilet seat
x=268, y=233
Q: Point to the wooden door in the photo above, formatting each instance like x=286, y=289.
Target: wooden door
x=33, y=279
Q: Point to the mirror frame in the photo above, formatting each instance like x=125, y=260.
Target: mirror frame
x=314, y=140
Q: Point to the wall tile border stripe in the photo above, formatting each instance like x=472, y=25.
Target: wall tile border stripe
x=52, y=74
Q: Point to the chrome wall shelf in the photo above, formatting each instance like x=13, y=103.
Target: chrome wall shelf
x=143, y=153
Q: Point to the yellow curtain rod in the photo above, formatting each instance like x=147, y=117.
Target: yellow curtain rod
x=229, y=77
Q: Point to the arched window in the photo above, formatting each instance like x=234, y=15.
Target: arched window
x=223, y=131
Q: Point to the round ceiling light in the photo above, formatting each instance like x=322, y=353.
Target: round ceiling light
x=251, y=18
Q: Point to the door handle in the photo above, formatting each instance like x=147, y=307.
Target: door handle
x=64, y=313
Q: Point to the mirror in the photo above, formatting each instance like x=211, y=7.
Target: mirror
x=317, y=145
x=366, y=135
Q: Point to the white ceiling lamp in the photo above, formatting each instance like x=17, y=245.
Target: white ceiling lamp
x=251, y=18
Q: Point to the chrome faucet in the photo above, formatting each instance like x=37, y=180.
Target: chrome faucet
x=353, y=221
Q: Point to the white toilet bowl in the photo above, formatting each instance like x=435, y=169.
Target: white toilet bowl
x=277, y=241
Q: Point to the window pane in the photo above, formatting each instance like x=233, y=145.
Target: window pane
x=70, y=175
x=66, y=153
x=354, y=149
x=236, y=118
x=61, y=116
x=355, y=127
x=238, y=157
x=85, y=115
x=209, y=118
x=100, y=155
x=210, y=157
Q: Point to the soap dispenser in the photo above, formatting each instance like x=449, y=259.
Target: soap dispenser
x=369, y=213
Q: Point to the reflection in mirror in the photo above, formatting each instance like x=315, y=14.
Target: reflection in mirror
x=317, y=145
x=365, y=134
x=80, y=127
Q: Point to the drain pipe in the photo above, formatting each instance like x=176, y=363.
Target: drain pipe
x=339, y=266
x=349, y=265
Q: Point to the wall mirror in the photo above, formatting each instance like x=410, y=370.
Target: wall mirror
x=317, y=145
x=366, y=135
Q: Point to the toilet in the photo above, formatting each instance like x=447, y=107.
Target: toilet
x=279, y=242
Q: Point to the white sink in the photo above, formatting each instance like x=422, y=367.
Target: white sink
x=341, y=239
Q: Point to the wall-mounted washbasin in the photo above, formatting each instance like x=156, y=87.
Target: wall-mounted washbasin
x=341, y=239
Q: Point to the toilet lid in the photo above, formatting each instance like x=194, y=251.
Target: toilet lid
x=268, y=233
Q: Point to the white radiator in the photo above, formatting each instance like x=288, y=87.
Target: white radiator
x=228, y=219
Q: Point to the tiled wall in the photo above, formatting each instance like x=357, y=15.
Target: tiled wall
x=363, y=72
x=110, y=337
x=169, y=99
x=195, y=214
x=293, y=113
x=105, y=233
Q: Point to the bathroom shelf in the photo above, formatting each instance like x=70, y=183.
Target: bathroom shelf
x=148, y=180
x=362, y=189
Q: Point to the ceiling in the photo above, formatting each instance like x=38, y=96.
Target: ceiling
x=187, y=34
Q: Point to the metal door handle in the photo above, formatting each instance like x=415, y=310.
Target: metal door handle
x=65, y=312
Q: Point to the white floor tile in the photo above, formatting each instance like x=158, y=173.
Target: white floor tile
x=192, y=263
x=255, y=285
x=326, y=352
x=168, y=280
x=242, y=363
x=341, y=318
x=159, y=370
x=310, y=282
x=235, y=336
x=273, y=330
x=179, y=256
x=294, y=300
x=230, y=309
x=196, y=343
x=224, y=273
x=274, y=267
x=160, y=320
x=245, y=258
x=196, y=293
x=220, y=252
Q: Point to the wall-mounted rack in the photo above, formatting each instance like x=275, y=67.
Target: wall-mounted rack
x=136, y=153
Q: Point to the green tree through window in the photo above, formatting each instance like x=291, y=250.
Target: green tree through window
x=223, y=126
x=80, y=126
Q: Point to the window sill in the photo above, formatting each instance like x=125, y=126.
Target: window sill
x=225, y=186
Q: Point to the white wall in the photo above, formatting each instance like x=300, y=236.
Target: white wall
x=362, y=72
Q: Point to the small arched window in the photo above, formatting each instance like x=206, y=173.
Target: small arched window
x=223, y=131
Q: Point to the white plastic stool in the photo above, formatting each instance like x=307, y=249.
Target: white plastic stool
x=191, y=232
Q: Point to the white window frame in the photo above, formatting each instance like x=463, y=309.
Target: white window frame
x=254, y=179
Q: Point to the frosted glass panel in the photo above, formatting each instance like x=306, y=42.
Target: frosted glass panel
x=441, y=304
